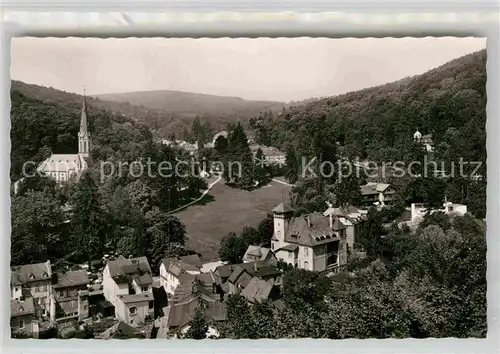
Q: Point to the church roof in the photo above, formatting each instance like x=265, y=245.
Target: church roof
x=63, y=163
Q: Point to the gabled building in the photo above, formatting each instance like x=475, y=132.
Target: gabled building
x=242, y=275
x=312, y=242
x=127, y=284
x=381, y=193
x=188, y=297
x=22, y=317
x=34, y=280
x=173, y=268
x=258, y=253
x=71, y=301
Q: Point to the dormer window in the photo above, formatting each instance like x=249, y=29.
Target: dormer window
x=21, y=309
x=45, y=275
x=31, y=276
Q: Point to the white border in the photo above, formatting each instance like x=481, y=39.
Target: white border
x=260, y=19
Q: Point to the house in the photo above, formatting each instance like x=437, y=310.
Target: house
x=373, y=192
x=242, y=274
x=259, y=290
x=135, y=309
x=127, y=285
x=312, y=242
x=172, y=268
x=62, y=167
x=22, y=317
x=258, y=253
x=352, y=218
x=179, y=315
x=34, y=280
x=70, y=297
x=425, y=140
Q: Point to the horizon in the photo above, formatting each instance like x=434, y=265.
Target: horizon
x=263, y=69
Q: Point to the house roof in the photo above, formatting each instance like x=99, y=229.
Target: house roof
x=177, y=265
x=256, y=251
x=121, y=330
x=335, y=212
x=72, y=278
x=123, y=270
x=144, y=279
x=136, y=297
x=30, y=272
x=206, y=279
x=310, y=230
x=21, y=308
x=179, y=315
x=257, y=290
x=282, y=208
x=192, y=259
x=374, y=188
x=224, y=271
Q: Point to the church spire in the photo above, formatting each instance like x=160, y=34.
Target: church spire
x=83, y=120
x=83, y=134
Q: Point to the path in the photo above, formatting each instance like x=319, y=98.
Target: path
x=197, y=199
x=283, y=182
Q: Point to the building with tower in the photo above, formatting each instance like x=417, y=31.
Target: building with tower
x=425, y=140
x=313, y=242
x=62, y=167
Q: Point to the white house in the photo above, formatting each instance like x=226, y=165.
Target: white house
x=173, y=268
x=312, y=242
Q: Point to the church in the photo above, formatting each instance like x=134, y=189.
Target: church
x=62, y=167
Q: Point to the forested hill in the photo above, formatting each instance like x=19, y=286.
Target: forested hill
x=379, y=122
x=192, y=104
x=164, y=112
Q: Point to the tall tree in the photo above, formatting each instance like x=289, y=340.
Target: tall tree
x=89, y=221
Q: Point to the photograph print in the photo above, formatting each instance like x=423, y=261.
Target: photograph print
x=267, y=188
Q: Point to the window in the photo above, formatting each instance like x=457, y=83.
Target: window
x=306, y=265
x=133, y=310
x=16, y=289
x=306, y=251
x=272, y=247
x=144, y=288
x=21, y=324
x=151, y=304
x=43, y=287
x=289, y=254
x=60, y=293
x=31, y=276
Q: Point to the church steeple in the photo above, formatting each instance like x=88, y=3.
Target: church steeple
x=83, y=134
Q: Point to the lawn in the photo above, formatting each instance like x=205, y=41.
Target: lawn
x=229, y=211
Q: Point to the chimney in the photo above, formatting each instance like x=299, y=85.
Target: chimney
x=331, y=220
x=308, y=220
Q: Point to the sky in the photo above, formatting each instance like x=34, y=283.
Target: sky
x=281, y=69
